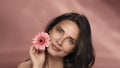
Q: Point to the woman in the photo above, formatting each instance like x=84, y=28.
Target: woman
x=71, y=45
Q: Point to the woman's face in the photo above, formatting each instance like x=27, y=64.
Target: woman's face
x=63, y=38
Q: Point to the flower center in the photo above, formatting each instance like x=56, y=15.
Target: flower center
x=41, y=40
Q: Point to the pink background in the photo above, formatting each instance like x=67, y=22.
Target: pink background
x=21, y=19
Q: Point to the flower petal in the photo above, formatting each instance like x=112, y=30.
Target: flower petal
x=41, y=45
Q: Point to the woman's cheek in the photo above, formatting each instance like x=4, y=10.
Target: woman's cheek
x=55, y=36
x=68, y=48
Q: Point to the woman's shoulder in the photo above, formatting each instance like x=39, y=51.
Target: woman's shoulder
x=26, y=64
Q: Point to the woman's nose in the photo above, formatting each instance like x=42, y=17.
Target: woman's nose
x=60, y=41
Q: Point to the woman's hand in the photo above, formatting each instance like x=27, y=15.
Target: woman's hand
x=37, y=57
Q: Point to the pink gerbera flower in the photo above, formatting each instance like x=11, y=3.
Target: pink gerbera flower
x=41, y=40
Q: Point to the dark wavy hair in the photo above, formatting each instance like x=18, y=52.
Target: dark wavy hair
x=83, y=54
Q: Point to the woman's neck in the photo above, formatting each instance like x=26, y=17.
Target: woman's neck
x=53, y=62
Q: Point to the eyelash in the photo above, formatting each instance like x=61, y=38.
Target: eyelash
x=59, y=30
x=71, y=41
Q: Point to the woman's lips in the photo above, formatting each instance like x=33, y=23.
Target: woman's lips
x=55, y=48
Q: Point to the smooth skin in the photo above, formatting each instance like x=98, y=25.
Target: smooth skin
x=63, y=38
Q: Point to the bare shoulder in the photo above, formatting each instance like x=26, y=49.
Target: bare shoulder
x=26, y=64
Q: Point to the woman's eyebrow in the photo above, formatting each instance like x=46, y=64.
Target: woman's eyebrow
x=61, y=28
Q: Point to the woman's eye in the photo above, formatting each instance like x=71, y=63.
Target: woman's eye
x=71, y=41
x=59, y=30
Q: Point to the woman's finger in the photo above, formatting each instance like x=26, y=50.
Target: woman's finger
x=32, y=50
